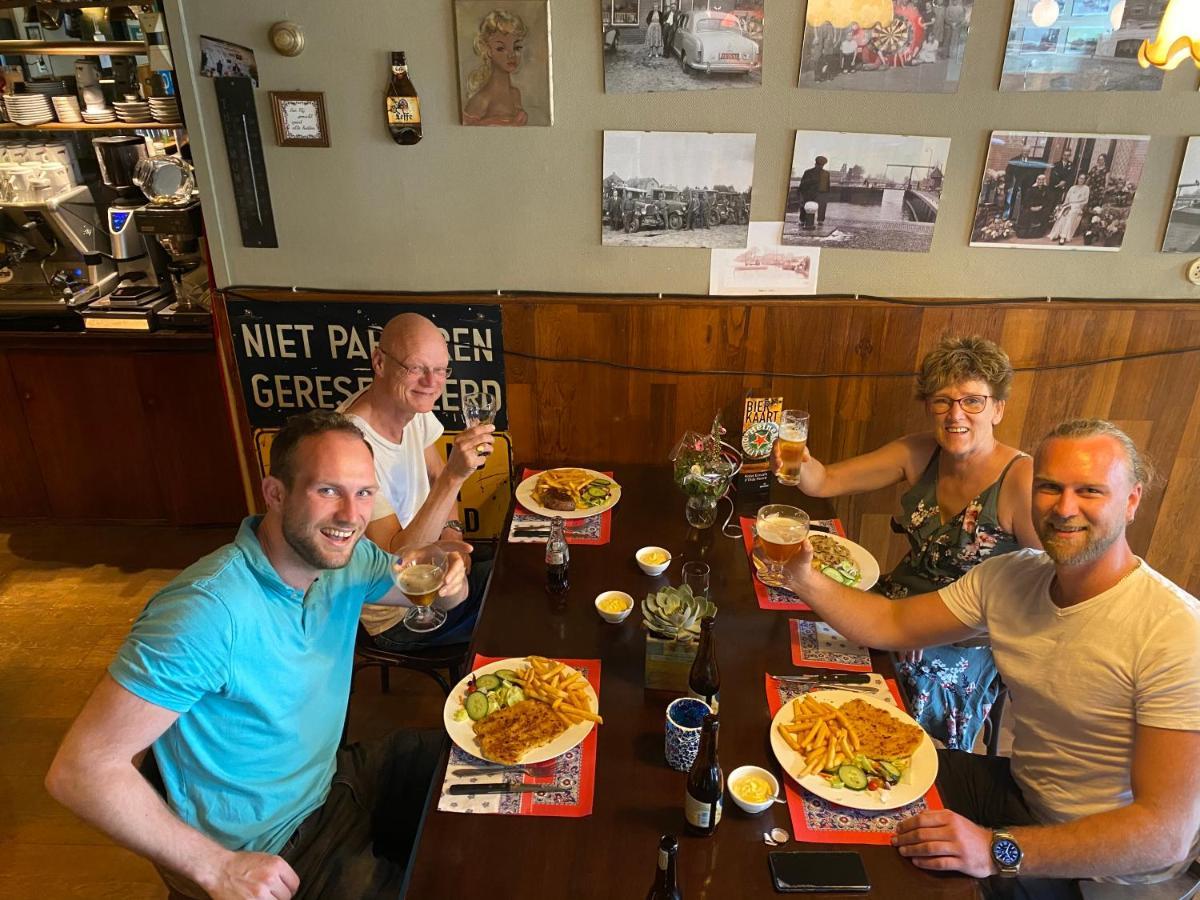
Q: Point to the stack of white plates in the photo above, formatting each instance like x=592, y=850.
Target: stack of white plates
x=98, y=115
x=67, y=109
x=133, y=111
x=28, y=109
x=165, y=110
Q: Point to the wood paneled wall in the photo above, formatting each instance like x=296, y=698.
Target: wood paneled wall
x=855, y=361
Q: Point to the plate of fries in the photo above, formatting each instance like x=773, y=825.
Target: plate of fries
x=584, y=488
x=562, y=689
x=813, y=739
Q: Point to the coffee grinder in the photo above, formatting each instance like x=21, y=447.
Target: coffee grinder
x=173, y=218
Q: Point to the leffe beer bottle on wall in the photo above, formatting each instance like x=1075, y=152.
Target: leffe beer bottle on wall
x=665, y=886
x=705, y=784
x=403, y=106
x=704, y=681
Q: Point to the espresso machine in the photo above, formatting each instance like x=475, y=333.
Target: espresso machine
x=172, y=217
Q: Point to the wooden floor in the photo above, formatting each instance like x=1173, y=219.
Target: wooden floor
x=67, y=598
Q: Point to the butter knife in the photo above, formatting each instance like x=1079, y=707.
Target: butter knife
x=505, y=787
x=829, y=678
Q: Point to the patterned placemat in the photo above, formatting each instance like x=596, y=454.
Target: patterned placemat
x=816, y=645
x=819, y=821
x=774, y=597
x=590, y=531
x=575, y=769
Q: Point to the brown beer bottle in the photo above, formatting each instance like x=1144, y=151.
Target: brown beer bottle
x=704, y=681
x=665, y=886
x=705, y=784
x=403, y=106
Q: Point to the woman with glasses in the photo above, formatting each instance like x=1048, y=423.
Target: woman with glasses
x=968, y=499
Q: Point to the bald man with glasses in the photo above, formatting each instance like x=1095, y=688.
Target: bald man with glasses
x=418, y=489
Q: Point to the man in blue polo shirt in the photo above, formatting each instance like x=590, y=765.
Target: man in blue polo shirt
x=237, y=674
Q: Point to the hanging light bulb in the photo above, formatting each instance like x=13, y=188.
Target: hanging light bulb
x=1178, y=37
x=1045, y=13
x=1116, y=16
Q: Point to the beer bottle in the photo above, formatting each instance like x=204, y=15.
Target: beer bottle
x=558, y=558
x=704, y=681
x=403, y=106
x=705, y=784
x=665, y=886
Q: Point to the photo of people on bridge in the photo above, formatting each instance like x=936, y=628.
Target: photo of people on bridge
x=864, y=191
x=1048, y=191
x=916, y=46
x=1183, y=228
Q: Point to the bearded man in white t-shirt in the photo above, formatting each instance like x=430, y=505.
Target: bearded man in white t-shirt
x=418, y=489
x=1102, y=656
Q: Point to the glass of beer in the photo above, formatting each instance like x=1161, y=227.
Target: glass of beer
x=793, y=438
x=419, y=572
x=780, y=531
x=479, y=408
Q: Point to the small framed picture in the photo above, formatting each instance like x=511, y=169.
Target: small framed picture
x=300, y=118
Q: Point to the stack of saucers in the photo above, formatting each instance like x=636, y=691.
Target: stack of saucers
x=133, y=111
x=98, y=115
x=67, y=109
x=28, y=109
x=165, y=110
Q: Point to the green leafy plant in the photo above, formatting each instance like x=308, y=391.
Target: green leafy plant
x=674, y=613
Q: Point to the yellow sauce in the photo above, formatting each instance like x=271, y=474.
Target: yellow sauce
x=614, y=605
x=752, y=789
x=655, y=557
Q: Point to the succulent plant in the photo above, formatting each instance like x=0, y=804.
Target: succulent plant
x=674, y=613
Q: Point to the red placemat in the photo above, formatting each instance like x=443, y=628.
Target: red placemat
x=816, y=645
x=818, y=821
x=575, y=769
x=774, y=597
x=589, y=531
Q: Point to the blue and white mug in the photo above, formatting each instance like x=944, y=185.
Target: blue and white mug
x=684, y=717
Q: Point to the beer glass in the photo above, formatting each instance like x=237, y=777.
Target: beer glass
x=419, y=572
x=780, y=530
x=793, y=437
x=479, y=408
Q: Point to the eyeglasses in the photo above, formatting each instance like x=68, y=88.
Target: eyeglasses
x=419, y=371
x=972, y=403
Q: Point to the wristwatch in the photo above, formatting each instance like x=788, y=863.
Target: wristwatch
x=456, y=525
x=1006, y=853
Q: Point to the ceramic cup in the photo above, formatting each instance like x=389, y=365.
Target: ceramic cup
x=684, y=717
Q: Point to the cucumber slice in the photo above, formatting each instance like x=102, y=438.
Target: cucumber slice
x=852, y=777
x=476, y=705
x=487, y=682
x=890, y=772
x=506, y=675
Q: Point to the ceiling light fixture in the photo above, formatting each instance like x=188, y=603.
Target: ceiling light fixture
x=1178, y=37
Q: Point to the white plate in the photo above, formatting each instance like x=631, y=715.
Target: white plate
x=463, y=734
x=525, y=498
x=917, y=779
x=867, y=564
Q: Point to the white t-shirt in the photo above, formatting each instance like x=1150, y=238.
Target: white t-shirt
x=404, y=485
x=1082, y=677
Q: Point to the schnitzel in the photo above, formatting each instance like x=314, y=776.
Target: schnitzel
x=508, y=734
x=881, y=736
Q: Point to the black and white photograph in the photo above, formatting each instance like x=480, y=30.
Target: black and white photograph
x=864, y=191
x=220, y=58
x=681, y=45
x=1049, y=191
x=915, y=46
x=676, y=189
x=764, y=267
x=1080, y=45
x=1183, y=228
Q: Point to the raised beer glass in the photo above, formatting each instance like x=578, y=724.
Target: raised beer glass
x=780, y=532
x=479, y=408
x=793, y=438
x=419, y=572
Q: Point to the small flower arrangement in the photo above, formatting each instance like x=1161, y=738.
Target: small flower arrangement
x=997, y=229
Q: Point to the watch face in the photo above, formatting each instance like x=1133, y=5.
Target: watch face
x=1006, y=852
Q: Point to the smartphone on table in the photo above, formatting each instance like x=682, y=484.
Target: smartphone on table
x=801, y=872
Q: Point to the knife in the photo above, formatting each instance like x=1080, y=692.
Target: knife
x=830, y=678
x=468, y=771
x=505, y=787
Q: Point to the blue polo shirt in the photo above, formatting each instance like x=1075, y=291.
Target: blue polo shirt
x=260, y=675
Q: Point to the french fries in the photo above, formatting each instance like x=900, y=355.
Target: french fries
x=821, y=734
x=564, y=690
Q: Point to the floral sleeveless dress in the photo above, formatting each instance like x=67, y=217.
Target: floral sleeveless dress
x=952, y=688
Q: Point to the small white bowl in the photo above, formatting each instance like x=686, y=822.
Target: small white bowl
x=649, y=568
x=741, y=772
x=614, y=618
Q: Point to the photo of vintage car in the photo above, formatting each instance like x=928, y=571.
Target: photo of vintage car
x=714, y=42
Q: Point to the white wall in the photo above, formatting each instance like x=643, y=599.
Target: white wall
x=518, y=209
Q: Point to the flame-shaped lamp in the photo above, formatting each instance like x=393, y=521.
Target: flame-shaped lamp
x=1178, y=37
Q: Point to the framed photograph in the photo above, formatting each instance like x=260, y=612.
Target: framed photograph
x=878, y=45
x=681, y=45
x=864, y=191
x=299, y=118
x=1053, y=191
x=225, y=59
x=1183, y=228
x=504, y=73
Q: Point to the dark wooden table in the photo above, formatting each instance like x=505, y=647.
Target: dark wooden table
x=612, y=853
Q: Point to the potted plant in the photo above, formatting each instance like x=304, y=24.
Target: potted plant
x=671, y=617
x=702, y=472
